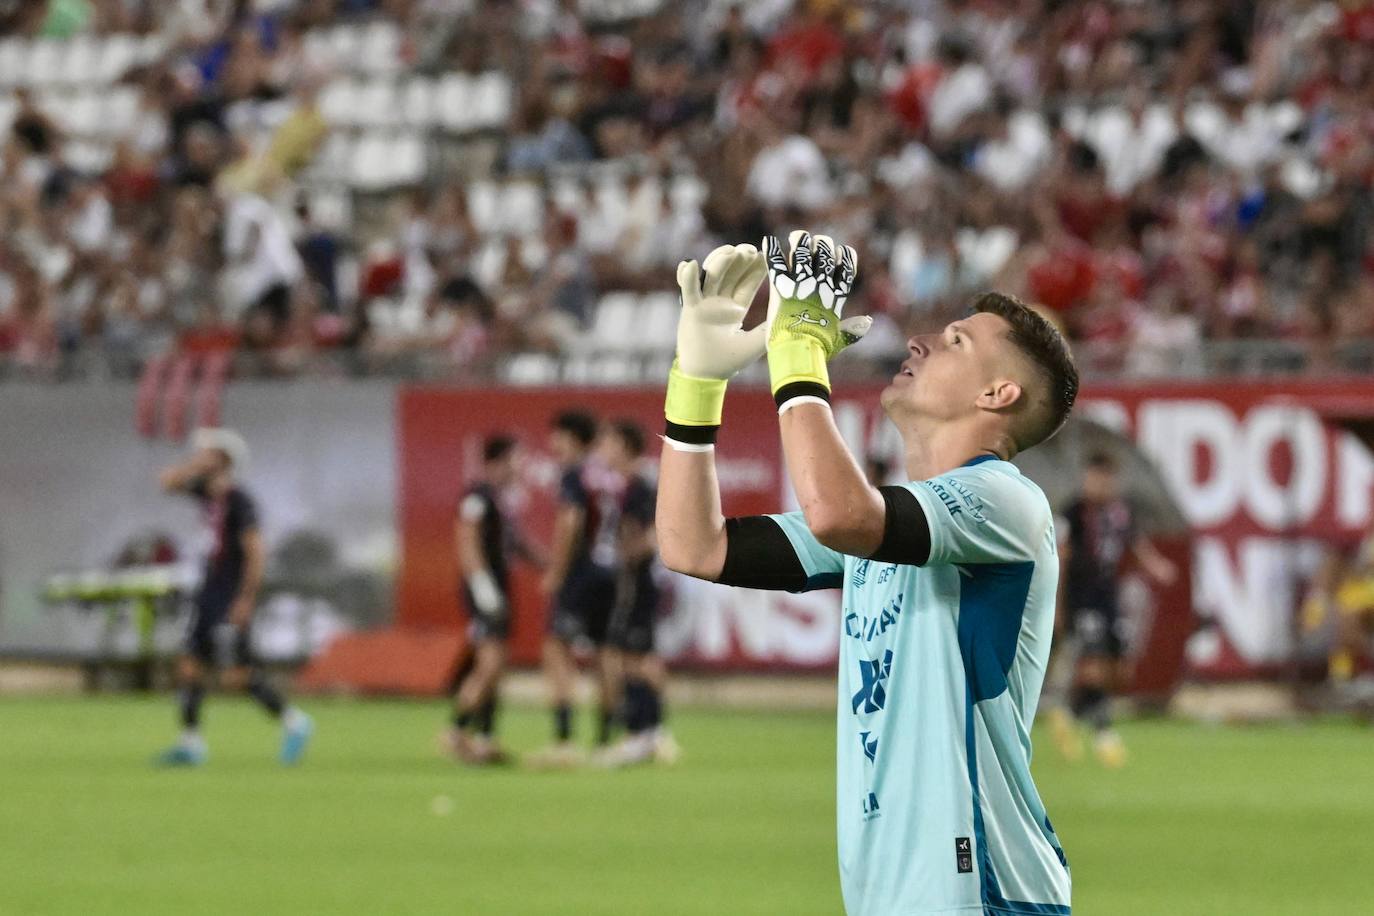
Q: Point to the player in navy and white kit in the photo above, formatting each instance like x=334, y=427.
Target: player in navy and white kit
x=218, y=633
x=486, y=541
x=580, y=587
x=1096, y=534
x=637, y=599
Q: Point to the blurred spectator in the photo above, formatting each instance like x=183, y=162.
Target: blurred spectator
x=1162, y=176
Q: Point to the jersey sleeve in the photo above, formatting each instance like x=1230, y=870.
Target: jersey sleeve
x=245, y=512
x=824, y=567
x=639, y=503
x=982, y=516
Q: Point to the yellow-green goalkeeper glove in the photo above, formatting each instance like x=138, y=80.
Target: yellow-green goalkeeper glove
x=807, y=292
x=712, y=344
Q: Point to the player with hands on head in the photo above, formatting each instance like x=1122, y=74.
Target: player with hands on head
x=948, y=583
x=219, y=631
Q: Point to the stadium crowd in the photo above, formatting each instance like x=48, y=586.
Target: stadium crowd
x=1161, y=175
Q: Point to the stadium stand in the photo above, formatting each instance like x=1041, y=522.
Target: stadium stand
x=434, y=187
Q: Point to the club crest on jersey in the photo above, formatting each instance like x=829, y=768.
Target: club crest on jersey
x=860, y=575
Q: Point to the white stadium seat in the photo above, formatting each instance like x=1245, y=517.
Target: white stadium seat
x=80, y=114
x=407, y=159
x=44, y=64
x=13, y=59
x=419, y=102
x=117, y=108
x=482, y=200
x=521, y=208
x=79, y=62
x=615, y=312
x=376, y=104
x=454, y=103
x=492, y=94
x=338, y=103
x=531, y=369
x=346, y=44
x=381, y=48
x=656, y=325
x=115, y=56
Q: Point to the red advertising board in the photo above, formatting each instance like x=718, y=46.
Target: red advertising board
x=1258, y=469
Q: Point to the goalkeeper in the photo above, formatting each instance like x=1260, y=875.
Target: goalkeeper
x=948, y=581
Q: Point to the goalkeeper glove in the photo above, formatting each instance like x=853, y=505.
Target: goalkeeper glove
x=711, y=343
x=807, y=293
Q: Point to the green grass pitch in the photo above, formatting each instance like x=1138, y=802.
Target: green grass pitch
x=1208, y=821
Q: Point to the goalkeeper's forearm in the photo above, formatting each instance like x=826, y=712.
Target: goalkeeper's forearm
x=842, y=509
x=689, y=522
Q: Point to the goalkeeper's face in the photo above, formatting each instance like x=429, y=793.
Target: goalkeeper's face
x=947, y=375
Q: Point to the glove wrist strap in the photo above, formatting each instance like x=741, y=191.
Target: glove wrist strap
x=793, y=361
x=691, y=435
x=795, y=391
x=693, y=406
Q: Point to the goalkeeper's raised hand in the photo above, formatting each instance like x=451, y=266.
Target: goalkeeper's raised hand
x=712, y=344
x=808, y=286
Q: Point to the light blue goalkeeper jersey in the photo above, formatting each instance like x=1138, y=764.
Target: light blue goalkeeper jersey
x=940, y=671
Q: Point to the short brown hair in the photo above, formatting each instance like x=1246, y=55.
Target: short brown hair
x=1041, y=343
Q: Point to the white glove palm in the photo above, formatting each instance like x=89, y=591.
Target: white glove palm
x=711, y=340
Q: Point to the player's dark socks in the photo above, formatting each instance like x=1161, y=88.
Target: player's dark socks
x=606, y=725
x=1090, y=704
x=562, y=722
x=653, y=706
x=266, y=695
x=485, y=720
x=637, y=702
x=191, y=697
x=461, y=720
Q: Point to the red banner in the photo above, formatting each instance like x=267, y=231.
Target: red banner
x=1264, y=479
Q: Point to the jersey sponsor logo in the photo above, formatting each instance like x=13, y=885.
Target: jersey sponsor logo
x=872, y=696
x=887, y=572
x=869, y=745
x=866, y=628
x=972, y=504
x=951, y=503
x=870, y=806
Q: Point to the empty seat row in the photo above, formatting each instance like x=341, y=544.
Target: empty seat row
x=374, y=160
x=625, y=322
x=85, y=60
x=455, y=102
x=359, y=47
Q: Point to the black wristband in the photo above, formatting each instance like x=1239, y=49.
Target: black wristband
x=801, y=390
x=691, y=435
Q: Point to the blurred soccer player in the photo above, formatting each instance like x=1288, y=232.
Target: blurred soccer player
x=1095, y=532
x=227, y=597
x=948, y=580
x=580, y=588
x=485, y=541
x=631, y=629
